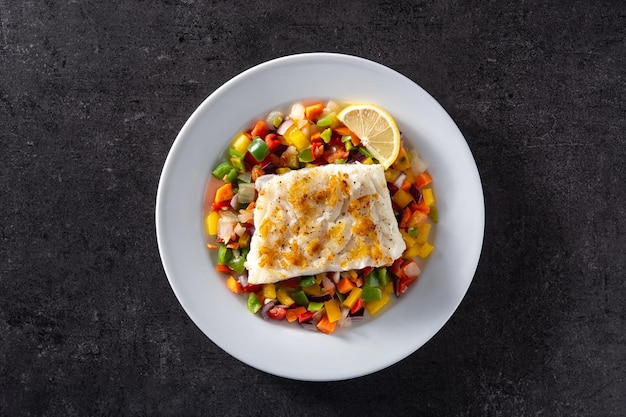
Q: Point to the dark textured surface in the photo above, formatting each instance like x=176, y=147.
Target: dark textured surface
x=92, y=95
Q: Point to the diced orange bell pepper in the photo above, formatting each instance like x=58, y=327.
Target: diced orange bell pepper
x=234, y=285
x=314, y=111
x=344, y=285
x=326, y=326
x=294, y=313
x=423, y=179
x=260, y=129
x=224, y=193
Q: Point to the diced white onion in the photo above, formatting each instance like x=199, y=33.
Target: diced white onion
x=226, y=228
x=297, y=111
x=239, y=229
x=246, y=193
x=400, y=180
x=417, y=163
x=234, y=202
x=284, y=126
x=245, y=216
x=272, y=116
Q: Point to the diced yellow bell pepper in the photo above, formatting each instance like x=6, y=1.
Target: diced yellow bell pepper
x=410, y=176
x=426, y=250
x=295, y=137
x=282, y=170
x=313, y=290
x=422, y=235
x=352, y=298
x=388, y=288
x=284, y=298
x=368, y=161
x=241, y=143
x=374, y=307
x=402, y=198
x=211, y=223
x=408, y=239
x=333, y=311
x=412, y=251
x=391, y=174
x=429, y=198
x=269, y=291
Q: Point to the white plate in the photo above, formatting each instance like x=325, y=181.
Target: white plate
x=285, y=349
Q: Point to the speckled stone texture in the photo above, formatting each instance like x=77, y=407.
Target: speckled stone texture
x=92, y=95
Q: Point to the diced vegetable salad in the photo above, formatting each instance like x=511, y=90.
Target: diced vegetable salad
x=309, y=135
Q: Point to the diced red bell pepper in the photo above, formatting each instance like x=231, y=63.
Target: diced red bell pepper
x=317, y=149
x=255, y=288
x=304, y=317
x=367, y=270
x=277, y=313
x=218, y=205
x=291, y=282
x=272, y=141
x=402, y=284
x=260, y=129
x=397, y=270
x=358, y=304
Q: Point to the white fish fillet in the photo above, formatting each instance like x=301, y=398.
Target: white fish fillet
x=333, y=217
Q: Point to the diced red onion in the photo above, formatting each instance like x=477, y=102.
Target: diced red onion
x=415, y=193
x=320, y=298
x=266, y=309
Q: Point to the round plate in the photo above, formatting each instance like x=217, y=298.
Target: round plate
x=285, y=349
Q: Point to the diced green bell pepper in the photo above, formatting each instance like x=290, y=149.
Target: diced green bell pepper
x=223, y=254
x=371, y=280
x=365, y=152
x=300, y=297
x=307, y=281
x=305, y=155
x=236, y=264
x=383, y=276
x=434, y=214
x=371, y=294
x=258, y=149
x=226, y=172
x=254, y=304
x=326, y=121
x=326, y=135
x=315, y=306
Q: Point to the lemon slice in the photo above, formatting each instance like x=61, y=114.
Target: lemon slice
x=376, y=129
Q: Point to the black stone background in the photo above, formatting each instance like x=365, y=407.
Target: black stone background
x=92, y=95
